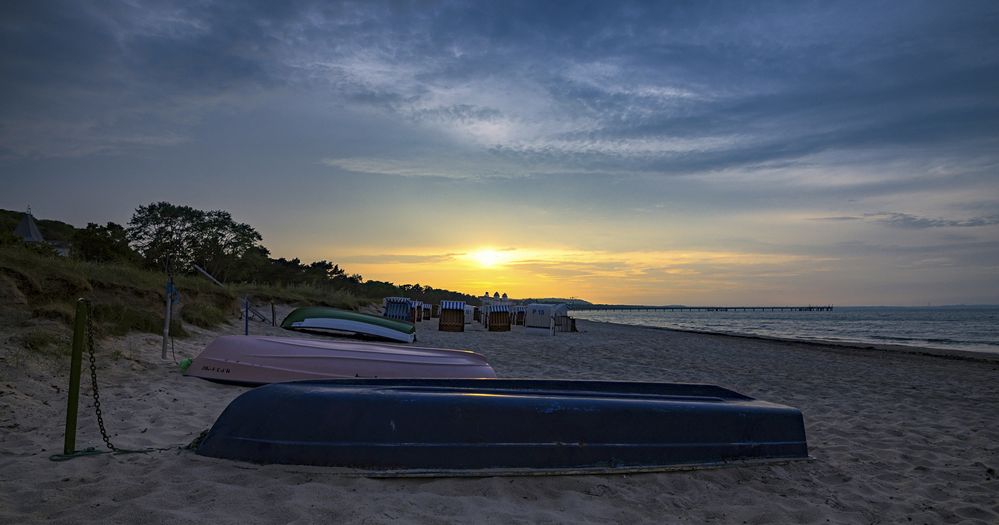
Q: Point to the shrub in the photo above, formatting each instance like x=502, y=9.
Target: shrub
x=45, y=340
x=202, y=314
x=58, y=311
x=120, y=319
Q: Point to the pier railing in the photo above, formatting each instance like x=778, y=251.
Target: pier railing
x=679, y=308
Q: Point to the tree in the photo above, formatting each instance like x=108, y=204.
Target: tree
x=219, y=243
x=255, y=265
x=188, y=236
x=379, y=289
x=163, y=231
x=108, y=243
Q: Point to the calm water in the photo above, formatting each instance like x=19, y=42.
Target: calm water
x=974, y=328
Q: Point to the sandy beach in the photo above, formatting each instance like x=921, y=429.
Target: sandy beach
x=896, y=438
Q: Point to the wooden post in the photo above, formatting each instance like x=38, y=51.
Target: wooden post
x=73, y=403
x=208, y=275
x=246, y=316
x=273, y=317
x=166, y=317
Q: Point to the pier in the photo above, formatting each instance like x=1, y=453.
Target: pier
x=678, y=308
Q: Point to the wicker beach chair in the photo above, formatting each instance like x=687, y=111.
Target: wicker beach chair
x=397, y=308
x=499, y=318
x=452, y=316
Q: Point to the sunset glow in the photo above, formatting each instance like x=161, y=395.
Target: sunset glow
x=655, y=153
x=488, y=258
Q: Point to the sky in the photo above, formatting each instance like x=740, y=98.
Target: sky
x=702, y=153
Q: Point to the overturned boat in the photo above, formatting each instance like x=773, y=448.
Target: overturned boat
x=502, y=426
x=323, y=319
x=256, y=360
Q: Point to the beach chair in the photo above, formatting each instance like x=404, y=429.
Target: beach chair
x=498, y=318
x=452, y=316
x=397, y=308
x=519, y=315
x=469, y=313
x=415, y=312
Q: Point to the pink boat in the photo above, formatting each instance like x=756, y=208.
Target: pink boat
x=255, y=360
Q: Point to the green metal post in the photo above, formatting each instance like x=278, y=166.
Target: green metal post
x=73, y=403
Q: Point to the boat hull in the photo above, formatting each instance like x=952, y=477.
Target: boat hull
x=256, y=360
x=322, y=319
x=480, y=427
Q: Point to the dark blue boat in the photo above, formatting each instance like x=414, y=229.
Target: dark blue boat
x=478, y=427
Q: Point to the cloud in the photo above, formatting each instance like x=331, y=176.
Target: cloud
x=593, y=126
x=906, y=220
x=401, y=258
x=842, y=218
x=910, y=221
x=627, y=88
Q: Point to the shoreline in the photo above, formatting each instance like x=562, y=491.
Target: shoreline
x=893, y=438
x=946, y=353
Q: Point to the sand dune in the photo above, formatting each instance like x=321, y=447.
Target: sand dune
x=897, y=438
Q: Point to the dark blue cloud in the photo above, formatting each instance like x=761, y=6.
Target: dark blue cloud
x=752, y=82
x=736, y=99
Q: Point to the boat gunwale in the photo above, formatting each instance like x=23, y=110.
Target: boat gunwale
x=489, y=385
x=351, y=358
x=349, y=472
x=305, y=313
x=317, y=343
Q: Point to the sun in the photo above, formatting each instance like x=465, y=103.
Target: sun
x=487, y=258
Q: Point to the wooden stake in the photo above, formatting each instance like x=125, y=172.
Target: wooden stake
x=73, y=403
x=166, y=317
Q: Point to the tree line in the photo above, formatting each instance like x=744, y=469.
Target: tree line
x=165, y=236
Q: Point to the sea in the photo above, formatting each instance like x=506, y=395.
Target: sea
x=968, y=328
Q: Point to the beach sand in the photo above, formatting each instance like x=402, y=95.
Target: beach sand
x=896, y=438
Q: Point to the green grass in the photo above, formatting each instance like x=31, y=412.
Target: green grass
x=10, y=293
x=202, y=314
x=124, y=298
x=300, y=294
x=120, y=319
x=46, y=341
x=130, y=299
x=59, y=311
x=39, y=275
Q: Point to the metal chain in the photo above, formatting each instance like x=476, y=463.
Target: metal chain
x=93, y=379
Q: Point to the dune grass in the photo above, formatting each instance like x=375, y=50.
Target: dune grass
x=202, y=314
x=130, y=299
x=46, y=340
x=124, y=298
x=299, y=294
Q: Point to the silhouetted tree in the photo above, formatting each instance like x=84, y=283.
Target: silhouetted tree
x=189, y=236
x=108, y=243
x=218, y=243
x=232, y=250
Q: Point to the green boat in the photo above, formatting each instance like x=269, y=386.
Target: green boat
x=323, y=319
